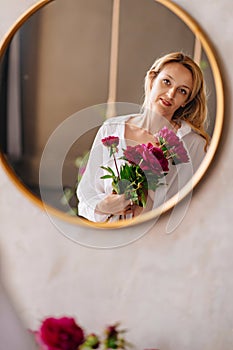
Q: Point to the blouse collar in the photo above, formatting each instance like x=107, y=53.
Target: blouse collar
x=184, y=129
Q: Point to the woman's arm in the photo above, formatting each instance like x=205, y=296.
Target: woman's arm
x=90, y=190
x=96, y=201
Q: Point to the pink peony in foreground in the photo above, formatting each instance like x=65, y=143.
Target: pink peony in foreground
x=59, y=334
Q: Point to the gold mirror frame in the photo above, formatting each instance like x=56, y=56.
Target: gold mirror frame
x=204, y=41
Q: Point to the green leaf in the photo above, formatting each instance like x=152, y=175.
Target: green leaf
x=107, y=177
x=68, y=194
x=134, y=197
x=124, y=172
x=115, y=187
x=143, y=198
x=72, y=212
x=108, y=169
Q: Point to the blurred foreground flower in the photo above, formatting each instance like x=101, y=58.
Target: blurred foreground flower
x=65, y=334
x=59, y=334
x=114, y=338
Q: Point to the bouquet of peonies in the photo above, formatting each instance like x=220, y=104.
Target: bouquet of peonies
x=145, y=166
x=65, y=334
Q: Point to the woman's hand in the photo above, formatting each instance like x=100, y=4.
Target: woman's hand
x=115, y=204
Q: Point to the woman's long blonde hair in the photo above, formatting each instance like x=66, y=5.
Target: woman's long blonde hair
x=195, y=110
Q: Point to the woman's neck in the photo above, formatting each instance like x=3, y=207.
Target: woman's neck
x=153, y=122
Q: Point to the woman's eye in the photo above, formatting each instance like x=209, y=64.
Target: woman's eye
x=183, y=91
x=166, y=81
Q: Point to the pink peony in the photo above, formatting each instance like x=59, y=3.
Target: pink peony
x=110, y=141
x=133, y=154
x=59, y=334
x=169, y=136
x=174, y=145
x=181, y=155
x=158, y=153
x=148, y=157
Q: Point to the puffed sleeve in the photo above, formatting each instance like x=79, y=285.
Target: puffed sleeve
x=91, y=189
x=195, y=145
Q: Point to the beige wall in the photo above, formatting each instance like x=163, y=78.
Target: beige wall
x=171, y=291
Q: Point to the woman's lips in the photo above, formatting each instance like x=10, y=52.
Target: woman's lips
x=165, y=102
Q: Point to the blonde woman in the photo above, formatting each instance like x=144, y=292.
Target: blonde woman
x=174, y=97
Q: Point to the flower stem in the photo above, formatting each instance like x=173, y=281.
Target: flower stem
x=118, y=174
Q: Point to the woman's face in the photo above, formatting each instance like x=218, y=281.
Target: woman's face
x=171, y=89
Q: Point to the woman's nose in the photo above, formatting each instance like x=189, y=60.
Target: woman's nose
x=171, y=92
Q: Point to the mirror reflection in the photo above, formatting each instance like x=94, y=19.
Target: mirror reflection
x=61, y=61
x=146, y=145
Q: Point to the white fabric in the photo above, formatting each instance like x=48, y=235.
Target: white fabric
x=91, y=189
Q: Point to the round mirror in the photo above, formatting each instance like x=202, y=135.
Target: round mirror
x=66, y=67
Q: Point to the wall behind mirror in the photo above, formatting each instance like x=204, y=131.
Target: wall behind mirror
x=59, y=61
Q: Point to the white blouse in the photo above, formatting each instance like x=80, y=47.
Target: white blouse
x=92, y=189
